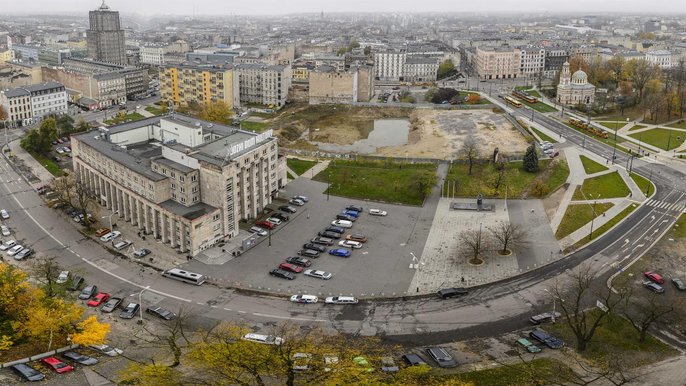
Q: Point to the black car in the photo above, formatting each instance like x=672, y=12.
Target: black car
x=441, y=356
x=27, y=372
x=335, y=229
x=79, y=358
x=299, y=261
x=309, y=253
x=76, y=283
x=413, y=360
x=88, y=292
x=322, y=240
x=130, y=311
x=142, y=253
x=315, y=247
x=446, y=293
x=160, y=312
x=281, y=216
x=288, y=209
x=546, y=339
x=354, y=207
x=331, y=235
x=343, y=216
x=282, y=274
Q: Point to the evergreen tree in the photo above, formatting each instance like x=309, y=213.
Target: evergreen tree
x=531, y=159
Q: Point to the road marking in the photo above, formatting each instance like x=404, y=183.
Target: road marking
x=227, y=309
x=213, y=306
x=200, y=304
x=241, y=312
x=288, y=317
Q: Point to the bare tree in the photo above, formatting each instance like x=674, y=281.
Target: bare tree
x=174, y=336
x=470, y=151
x=46, y=270
x=64, y=189
x=643, y=313
x=575, y=300
x=508, y=235
x=500, y=168
x=475, y=242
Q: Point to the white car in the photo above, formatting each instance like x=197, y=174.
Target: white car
x=121, y=245
x=23, y=253
x=341, y=300
x=318, y=274
x=259, y=231
x=274, y=220
x=296, y=202
x=5, y=230
x=63, y=277
x=107, y=350
x=342, y=223
x=301, y=361
x=4, y=214
x=330, y=360
x=264, y=339
x=306, y=299
x=301, y=198
x=110, y=236
x=14, y=250
x=350, y=244
x=377, y=212
x=7, y=245
x=59, y=150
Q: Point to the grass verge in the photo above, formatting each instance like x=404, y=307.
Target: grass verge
x=254, y=126
x=608, y=141
x=395, y=182
x=539, y=106
x=609, y=185
x=604, y=228
x=616, y=125
x=519, y=374
x=155, y=110
x=642, y=182
x=48, y=164
x=665, y=139
x=578, y=215
x=679, y=125
x=637, y=127
x=542, y=136
x=590, y=166
x=300, y=166
x=124, y=118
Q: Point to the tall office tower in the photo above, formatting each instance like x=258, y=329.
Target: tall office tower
x=105, y=36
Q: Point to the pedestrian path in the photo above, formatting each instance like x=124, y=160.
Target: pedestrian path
x=585, y=231
x=315, y=169
x=576, y=178
x=36, y=168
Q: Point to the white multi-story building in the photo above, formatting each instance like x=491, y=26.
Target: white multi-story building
x=156, y=54
x=28, y=104
x=263, y=84
x=662, y=58
x=420, y=69
x=498, y=62
x=184, y=181
x=390, y=65
x=531, y=62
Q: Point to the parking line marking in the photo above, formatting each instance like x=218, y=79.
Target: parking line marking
x=227, y=309
x=241, y=312
x=213, y=306
x=201, y=304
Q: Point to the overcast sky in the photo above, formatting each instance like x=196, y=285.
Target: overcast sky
x=227, y=7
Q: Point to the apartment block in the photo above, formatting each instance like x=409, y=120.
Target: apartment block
x=498, y=62
x=330, y=86
x=531, y=62
x=183, y=181
x=263, y=84
x=420, y=69
x=389, y=65
x=108, y=89
x=183, y=84
x=135, y=79
x=28, y=104
x=158, y=54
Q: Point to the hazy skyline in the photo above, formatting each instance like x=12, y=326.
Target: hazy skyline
x=272, y=7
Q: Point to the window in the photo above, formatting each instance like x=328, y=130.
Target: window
x=215, y=217
x=194, y=177
x=182, y=178
x=173, y=185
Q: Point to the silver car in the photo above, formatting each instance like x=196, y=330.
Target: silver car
x=318, y=274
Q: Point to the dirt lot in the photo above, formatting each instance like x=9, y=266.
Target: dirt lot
x=433, y=133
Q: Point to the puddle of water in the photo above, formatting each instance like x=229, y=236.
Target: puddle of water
x=386, y=132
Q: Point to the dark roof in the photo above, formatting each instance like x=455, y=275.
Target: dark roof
x=188, y=212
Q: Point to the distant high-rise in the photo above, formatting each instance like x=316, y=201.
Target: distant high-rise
x=105, y=36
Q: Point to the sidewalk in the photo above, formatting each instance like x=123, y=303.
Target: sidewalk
x=36, y=168
x=577, y=174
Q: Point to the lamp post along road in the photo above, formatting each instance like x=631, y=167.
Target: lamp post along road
x=140, y=304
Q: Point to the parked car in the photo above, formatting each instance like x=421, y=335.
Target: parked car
x=57, y=365
x=281, y=216
x=545, y=317
x=265, y=224
x=354, y=207
x=141, y=253
x=334, y=229
x=342, y=223
x=330, y=361
x=102, y=231
x=106, y=349
x=111, y=305
x=63, y=277
x=79, y=358
x=360, y=238
x=88, y=292
x=322, y=240
x=547, y=339
x=259, y=231
x=274, y=220
x=413, y=360
x=290, y=267
x=297, y=202
x=130, y=311
x=654, y=277
x=5, y=230
x=110, y=236
x=300, y=261
x=350, y=244
x=309, y=253
x=14, y=250
x=316, y=247
x=160, y=312
x=530, y=347
x=339, y=252
x=7, y=245
x=377, y=212
x=301, y=198
x=679, y=284
x=4, y=214
x=76, y=283
x=262, y=338
x=452, y=292
x=304, y=299
x=341, y=300
x=388, y=365
x=288, y=209
x=282, y=274
x=28, y=373
x=301, y=361
x=98, y=299
x=352, y=213
x=653, y=287
x=318, y=274
x=441, y=356
x=118, y=246
x=26, y=252
x=330, y=235
x=346, y=217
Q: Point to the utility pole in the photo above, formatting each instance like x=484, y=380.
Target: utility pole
x=614, y=149
x=590, y=235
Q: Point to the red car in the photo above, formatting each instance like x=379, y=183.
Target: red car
x=290, y=267
x=98, y=299
x=57, y=365
x=266, y=225
x=654, y=276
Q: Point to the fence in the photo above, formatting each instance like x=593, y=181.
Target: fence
x=368, y=157
x=39, y=356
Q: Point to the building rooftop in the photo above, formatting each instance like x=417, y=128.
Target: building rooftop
x=188, y=212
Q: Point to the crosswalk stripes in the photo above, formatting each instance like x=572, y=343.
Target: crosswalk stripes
x=669, y=206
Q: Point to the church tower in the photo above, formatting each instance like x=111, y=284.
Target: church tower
x=565, y=76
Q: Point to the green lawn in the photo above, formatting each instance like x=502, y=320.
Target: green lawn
x=604, y=228
x=48, y=164
x=590, y=166
x=609, y=141
x=262, y=115
x=253, y=126
x=534, y=93
x=578, y=215
x=637, y=127
x=394, y=182
x=523, y=88
x=537, y=371
x=642, y=183
x=539, y=106
x=154, y=110
x=543, y=137
x=665, y=139
x=609, y=185
x=518, y=181
x=613, y=125
x=679, y=125
x=124, y=118
x=300, y=166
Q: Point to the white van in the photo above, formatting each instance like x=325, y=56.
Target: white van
x=342, y=223
x=110, y=236
x=264, y=339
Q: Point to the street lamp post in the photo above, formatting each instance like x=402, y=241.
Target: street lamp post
x=554, y=298
x=110, y=217
x=595, y=201
x=328, y=187
x=140, y=304
x=614, y=149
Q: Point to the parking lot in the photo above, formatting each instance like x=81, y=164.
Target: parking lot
x=381, y=266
